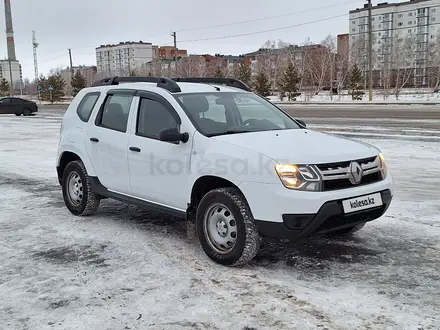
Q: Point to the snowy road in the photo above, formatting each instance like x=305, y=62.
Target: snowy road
x=126, y=268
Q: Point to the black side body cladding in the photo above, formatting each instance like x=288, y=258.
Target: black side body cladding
x=99, y=189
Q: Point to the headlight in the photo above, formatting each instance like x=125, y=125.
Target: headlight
x=299, y=177
x=383, y=166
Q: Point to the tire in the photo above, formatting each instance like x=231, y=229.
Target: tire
x=26, y=112
x=79, y=199
x=18, y=114
x=347, y=231
x=227, y=206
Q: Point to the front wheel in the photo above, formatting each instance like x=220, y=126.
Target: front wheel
x=27, y=112
x=226, y=228
x=77, y=192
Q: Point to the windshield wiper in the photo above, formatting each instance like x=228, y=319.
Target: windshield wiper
x=230, y=131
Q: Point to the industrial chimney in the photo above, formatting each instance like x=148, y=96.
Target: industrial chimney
x=9, y=31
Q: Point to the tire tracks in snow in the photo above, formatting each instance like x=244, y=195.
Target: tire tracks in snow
x=264, y=301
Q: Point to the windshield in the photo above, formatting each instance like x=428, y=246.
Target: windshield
x=230, y=113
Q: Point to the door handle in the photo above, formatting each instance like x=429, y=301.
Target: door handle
x=94, y=139
x=135, y=149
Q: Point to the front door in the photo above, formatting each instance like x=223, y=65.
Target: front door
x=107, y=141
x=158, y=170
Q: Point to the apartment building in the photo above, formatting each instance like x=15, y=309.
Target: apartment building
x=413, y=24
x=123, y=58
x=170, y=51
x=14, y=69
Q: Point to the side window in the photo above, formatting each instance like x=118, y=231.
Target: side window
x=115, y=112
x=152, y=118
x=86, y=106
x=5, y=101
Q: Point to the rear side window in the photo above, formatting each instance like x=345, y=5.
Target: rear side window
x=86, y=106
x=115, y=113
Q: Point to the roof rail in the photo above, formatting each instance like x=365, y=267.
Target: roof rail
x=231, y=82
x=162, y=82
x=170, y=83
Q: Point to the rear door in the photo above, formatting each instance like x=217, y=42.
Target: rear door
x=107, y=140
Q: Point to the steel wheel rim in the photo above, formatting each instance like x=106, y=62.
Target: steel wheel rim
x=220, y=228
x=75, y=189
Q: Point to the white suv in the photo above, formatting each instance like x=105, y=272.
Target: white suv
x=222, y=157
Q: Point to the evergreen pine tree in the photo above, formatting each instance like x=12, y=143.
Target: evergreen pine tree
x=355, y=79
x=4, y=87
x=56, y=82
x=78, y=82
x=244, y=73
x=262, y=84
x=289, y=82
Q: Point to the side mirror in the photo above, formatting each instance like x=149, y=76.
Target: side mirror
x=301, y=122
x=173, y=135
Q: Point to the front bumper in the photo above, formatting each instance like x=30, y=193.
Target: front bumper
x=330, y=217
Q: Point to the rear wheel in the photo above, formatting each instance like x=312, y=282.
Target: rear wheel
x=27, y=112
x=77, y=192
x=226, y=228
x=18, y=114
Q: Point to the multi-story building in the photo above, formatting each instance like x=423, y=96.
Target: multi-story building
x=123, y=58
x=170, y=51
x=402, y=35
x=14, y=69
x=88, y=72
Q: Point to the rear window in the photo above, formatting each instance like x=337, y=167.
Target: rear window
x=86, y=106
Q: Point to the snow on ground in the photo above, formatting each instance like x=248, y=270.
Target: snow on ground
x=127, y=268
x=407, y=95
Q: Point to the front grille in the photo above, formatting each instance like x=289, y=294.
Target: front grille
x=336, y=176
x=345, y=183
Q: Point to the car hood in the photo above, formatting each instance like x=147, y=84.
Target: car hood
x=301, y=146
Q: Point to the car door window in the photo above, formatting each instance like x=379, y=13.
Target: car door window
x=153, y=117
x=86, y=106
x=115, y=112
x=5, y=101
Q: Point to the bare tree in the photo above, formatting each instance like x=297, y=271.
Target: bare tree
x=320, y=61
x=403, y=61
x=433, y=65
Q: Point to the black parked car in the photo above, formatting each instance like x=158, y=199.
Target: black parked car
x=17, y=106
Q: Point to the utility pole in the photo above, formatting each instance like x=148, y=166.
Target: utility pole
x=35, y=46
x=71, y=72
x=370, y=53
x=173, y=34
x=71, y=65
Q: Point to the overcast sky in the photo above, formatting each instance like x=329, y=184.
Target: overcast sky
x=85, y=24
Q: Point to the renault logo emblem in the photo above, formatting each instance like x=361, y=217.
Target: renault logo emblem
x=355, y=172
